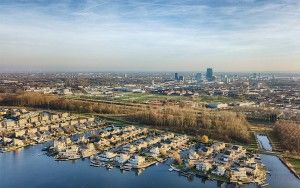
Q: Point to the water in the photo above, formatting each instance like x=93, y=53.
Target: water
x=264, y=142
x=280, y=174
x=28, y=168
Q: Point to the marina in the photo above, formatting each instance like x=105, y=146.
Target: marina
x=28, y=163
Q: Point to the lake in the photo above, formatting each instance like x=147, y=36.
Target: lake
x=29, y=168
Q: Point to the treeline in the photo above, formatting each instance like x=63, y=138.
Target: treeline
x=221, y=125
x=37, y=100
x=289, y=135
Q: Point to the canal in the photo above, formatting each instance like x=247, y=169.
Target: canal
x=280, y=175
x=264, y=142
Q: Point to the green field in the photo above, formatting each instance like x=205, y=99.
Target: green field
x=295, y=163
x=148, y=97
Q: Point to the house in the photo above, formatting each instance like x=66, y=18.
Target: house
x=164, y=146
x=107, y=156
x=22, y=122
x=82, y=120
x=9, y=124
x=137, y=161
x=70, y=152
x=54, y=126
x=54, y=117
x=102, y=143
x=129, y=148
x=45, y=117
x=229, y=155
x=219, y=170
x=20, y=133
x=91, y=119
x=140, y=145
x=17, y=142
x=64, y=115
x=205, y=151
x=153, y=140
x=238, y=174
x=88, y=150
x=122, y=158
x=73, y=122
x=34, y=119
x=167, y=136
x=104, y=134
x=193, y=155
x=59, y=145
x=154, y=152
x=31, y=131
x=203, y=166
x=218, y=146
x=43, y=128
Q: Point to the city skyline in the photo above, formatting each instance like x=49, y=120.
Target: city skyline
x=234, y=36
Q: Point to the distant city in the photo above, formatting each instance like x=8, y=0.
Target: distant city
x=151, y=94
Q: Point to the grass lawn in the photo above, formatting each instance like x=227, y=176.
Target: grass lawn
x=148, y=97
x=295, y=163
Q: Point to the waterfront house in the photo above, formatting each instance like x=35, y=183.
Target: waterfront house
x=59, y=145
x=122, y=158
x=154, y=152
x=71, y=152
x=18, y=142
x=137, y=161
x=204, y=166
x=219, y=170
x=107, y=156
x=238, y=174
x=88, y=150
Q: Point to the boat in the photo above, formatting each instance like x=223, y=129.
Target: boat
x=170, y=169
x=45, y=148
x=264, y=185
x=109, y=167
x=95, y=165
x=175, y=169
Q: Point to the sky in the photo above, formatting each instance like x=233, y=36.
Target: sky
x=157, y=35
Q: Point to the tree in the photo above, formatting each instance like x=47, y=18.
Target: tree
x=177, y=158
x=204, y=139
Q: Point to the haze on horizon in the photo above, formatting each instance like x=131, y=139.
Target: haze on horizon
x=162, y=35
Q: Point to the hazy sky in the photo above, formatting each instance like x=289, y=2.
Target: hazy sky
x=132, y=35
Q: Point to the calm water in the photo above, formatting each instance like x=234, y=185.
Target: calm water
x=28, y=168
x=264, y=142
